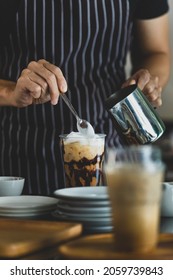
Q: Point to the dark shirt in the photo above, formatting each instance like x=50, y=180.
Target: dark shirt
x=147, y=9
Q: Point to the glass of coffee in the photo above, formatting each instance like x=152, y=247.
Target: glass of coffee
x=134, y=178
x=83, y=159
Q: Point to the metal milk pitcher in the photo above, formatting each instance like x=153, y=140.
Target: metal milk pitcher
x=136, y=121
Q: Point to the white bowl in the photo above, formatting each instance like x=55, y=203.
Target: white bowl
x=167, y=200
x=11, y=186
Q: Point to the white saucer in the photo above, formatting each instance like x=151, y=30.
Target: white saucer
x=24, y=215
x=85, y=203
x=27, y=202
x=26, y=211
x=106, y=221
x=67, y=208
x=83, y=193
x=86, y=215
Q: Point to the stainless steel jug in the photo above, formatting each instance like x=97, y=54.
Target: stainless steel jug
x=136, y=121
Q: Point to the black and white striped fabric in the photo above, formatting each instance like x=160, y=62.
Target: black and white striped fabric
x=88, y=40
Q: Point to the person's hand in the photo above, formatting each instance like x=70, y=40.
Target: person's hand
x=40, y=82
x=148, y=84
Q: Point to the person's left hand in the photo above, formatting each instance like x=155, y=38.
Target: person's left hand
x=148, y=84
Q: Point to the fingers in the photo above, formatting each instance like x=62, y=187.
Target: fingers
x=142, y=78
x=62, y=84
x=154, y=96
x=49, y=77
x=151, y=85
x=36, y=85
x=152, y=91
x=40, y=82
x=148, y=84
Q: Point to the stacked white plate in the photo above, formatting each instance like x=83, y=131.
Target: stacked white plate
x=26, y=206
x=87, y=205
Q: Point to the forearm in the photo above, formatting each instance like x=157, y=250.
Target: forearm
x=151, y=47
x=158, y=64
x=6, y=93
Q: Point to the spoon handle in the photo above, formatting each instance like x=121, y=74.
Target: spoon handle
x=68, y=103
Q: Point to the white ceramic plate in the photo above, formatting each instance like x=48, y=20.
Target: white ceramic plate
x=26, y=211
x=83, y=193
x=106, y=221
x=106, y=211
x=23, y=215
x=27, y=202
x=85, y=203
x=30, y=210
x=85, y=215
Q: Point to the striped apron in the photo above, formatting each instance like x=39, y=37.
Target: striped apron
x=88, y=40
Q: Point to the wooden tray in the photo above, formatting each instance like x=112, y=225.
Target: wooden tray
x=22, y=237
x=102, y=246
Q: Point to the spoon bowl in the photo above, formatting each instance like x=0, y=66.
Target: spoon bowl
x=83, y=126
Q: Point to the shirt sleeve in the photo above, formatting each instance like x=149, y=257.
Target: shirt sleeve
x=148, y=9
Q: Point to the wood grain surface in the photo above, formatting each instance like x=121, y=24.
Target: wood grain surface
x=102, y=246
x=22, y=237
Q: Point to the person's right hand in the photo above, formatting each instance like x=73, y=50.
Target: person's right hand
x=149, y=84
x=40, y=82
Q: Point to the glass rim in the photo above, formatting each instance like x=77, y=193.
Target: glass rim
x=98, y=136
x=146, y=155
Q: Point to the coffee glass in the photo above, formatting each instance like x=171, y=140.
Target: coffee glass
x=82, y=159
x=134, y=178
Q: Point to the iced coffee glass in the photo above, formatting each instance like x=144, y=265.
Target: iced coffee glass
x=134, y=178
x=83, y=159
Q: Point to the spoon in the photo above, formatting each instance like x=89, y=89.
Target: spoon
x=83, y=126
